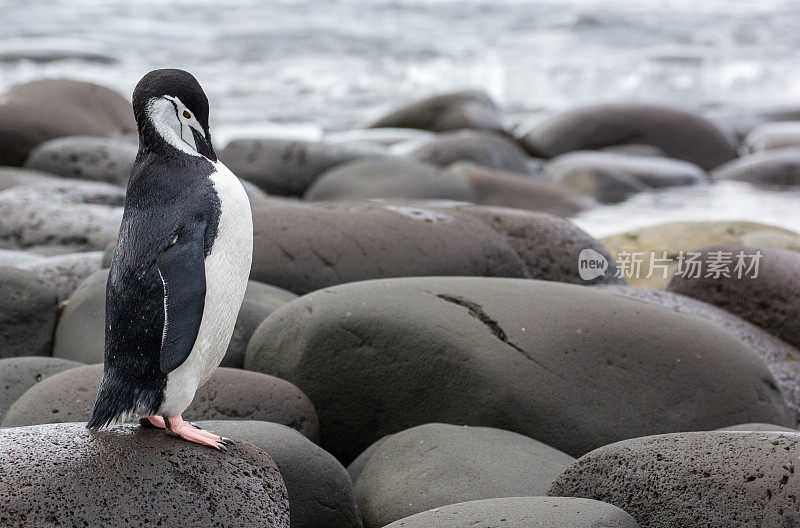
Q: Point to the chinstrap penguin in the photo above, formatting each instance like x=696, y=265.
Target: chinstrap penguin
x=180, y=267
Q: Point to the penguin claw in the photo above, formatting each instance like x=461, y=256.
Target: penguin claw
x=222, y=447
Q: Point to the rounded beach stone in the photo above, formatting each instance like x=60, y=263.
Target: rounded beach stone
x=522, y=512
x=611, y=178
x=772, y=136
x=303, y=248
x=17, y=176
x=435, y=465
x=709, y=479
x=66, y=272
x=286, y=167
x=447, y=111
x=28, y=314
x=377, y=357
x=229, y=394
x=674, y=237
x=21, y=373
x=680, y=134
x=91, y=158
x=319, y=488
x=758, y=427
x=486, y=149
x=38, y=111
x=380, y=136
x=80, y=335
x=18, y=259
x=767, y=296
x=129, y=477
x=770, y=168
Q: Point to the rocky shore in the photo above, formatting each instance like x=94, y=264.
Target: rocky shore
x=427, y=338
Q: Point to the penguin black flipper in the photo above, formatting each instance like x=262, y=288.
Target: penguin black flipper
x=182, y=270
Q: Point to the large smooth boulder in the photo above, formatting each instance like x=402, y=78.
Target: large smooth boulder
x=90, y=158
x=21, y=373
x=522, y=512
x=28, y=314
x=16, y=176
x=16, y=259
x=694, y=480
x=772, y=136
x=770, y=168
x=556, y=362
x=65, y=272
x=128, y=477
x=66, y=216
x=378, y=136
x=80, y=335
x=651, y=242
x=763, y=291
x=319, y=488
x=38, y=111
x=435, y=465
x=611, y=178
x=230, y=394
x=303, y=248
x=781, y=357
x=447, y=111
x=680, y=134
x=286, y=167
x=486, y=149
x=758, y=427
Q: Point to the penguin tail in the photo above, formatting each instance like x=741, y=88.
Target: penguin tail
x=117, y=401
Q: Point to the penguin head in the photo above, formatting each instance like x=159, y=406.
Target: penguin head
x=171, y=111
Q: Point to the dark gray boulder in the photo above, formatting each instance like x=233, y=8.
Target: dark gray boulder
x=65, y=272
x=28, y=314
x=522, y=512
x=377, y=357
x=230, y=394
x=319, y=488
x=447, y=111
x=434, y=465
x=769, y=299
x=758, y=427
x=90, y=158
x=680, y=134
x=80, y=335
x=708, y=479
x=21, y=373
x=779, y=168
x=38, y=111
x=286, y=167
x=486, y=149
x=128, y=477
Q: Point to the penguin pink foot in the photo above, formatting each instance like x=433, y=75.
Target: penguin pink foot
x=177, y=426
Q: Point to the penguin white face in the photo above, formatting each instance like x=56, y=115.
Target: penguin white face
x=175, y=123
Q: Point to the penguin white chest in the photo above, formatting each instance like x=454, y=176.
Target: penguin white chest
x=227, y=268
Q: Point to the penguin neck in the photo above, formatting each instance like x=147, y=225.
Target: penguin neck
x=160, y=134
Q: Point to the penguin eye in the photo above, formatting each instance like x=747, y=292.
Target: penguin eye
x=186, y=114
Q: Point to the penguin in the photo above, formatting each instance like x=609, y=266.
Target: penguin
x=180, y=268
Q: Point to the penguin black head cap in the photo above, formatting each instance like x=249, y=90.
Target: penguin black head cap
x=171, y=112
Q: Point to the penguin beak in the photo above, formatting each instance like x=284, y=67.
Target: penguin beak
x=202, y=141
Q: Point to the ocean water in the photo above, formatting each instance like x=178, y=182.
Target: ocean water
x=305, y=66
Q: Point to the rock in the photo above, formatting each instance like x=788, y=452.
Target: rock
x=634, y=149
x=21, y=373
x=305, y=248
x=705, y=479
x=91, y=158
x=28, y=314
x=677, y=237
x=229, y=394
x=38, y=111
x=255, y=195
x=80, y=335
x=486, y=149
x=680, y=134
x=612, y=178
x=66, y=272
x=522, y=512
x=357, y=466
x=378, y=357
x=444, y=112
x=758, y=427
x=380, y=136
x=435, y=465
x=550, y=247
x=769, y=168
x=65, y=475
x=319, y=489
x=285, y=167
x=65, y=217
x=767, y=296
x=780, y=357
x=772, y=136
x=17, y=176
x=17, y=259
